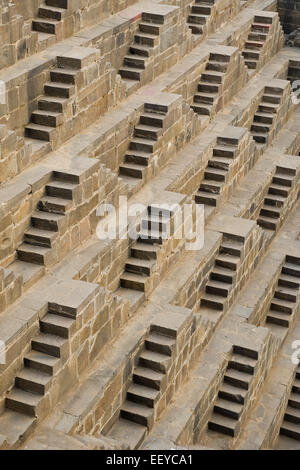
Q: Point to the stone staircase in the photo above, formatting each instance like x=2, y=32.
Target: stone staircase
x=264, y=118
x=149, y=381
x=145, y=142
x=200, y=15
x=223, y=275
x=218, y=171
x=233, y=394
x=49, y=220
x=277, y=198
x=291, y=422
x=145, y=41
x=286, y=298
x=52, y=107
x=210, y=85
x=50, y=16
x=156, y=228
x=256, y=42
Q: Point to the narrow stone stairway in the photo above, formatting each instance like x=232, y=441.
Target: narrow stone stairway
x=217, y=171
x=234, y=392
x=291, y=422
x=199, y=15
x=149, y=380
x=50, y=15
x=276, y=199
x=223, y=275
x=53, y=105
x=210, y=85
x=287, y=294
x=145, y=142
x=264, y=117
x=255, y=43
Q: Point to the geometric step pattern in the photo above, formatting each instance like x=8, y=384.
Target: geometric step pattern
x=50, y=14
x=217, y=171
x=155, y=229
x=287, y=294
x=52, y=106
x=145, y=141
x=222, y=277
x=199, y=16
x=48, y=219
x=291, y=422
x=210, y=84
x=48, y=350
x=276, y=199
x=256, y=41
x=234, y=392
x=148, y=383
x=145, y=40
x=264, y=117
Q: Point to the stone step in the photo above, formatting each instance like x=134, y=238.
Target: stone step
x=157, y=223
x=154, y=360
x=203, y=197
x=222, y=274
x=144, y=395
x=260, y=138
x=149, y=28
x=250, y=54
x=251, y=64
x=278, y=190
x=212, y=77
x=47, y=221
x=213, y=301
x=260, y=28
x=196, y=28
x=23, y=402
x=138, y=413
x=144, y=39
x=224, y=151
x=278, y=318
x=292, y=415
x=61, y=90
x=289, y=281
x=49, y=344
x=144, y=145
x=283, y=180
x=266, y=118
x=197, y=19
x=202, y=9
x=54, y=205
x=294, y=400
x=133, y=433
x=290, y=429
x=37, y=131
x=148, y=378
x=39, y=237
x=151, y=237
x=257, y=36
x=218, y=288
x=47, y=118
x=237, y=378
x=286, y=293
x=133, y=170
x=296, y=386
x=137, y=62
x=63, y=75
x=215, y=174
x=201, y=108
x=133, y=281
x=160, y=343
x=273, y=201
x=283, y=306
x=232, y=247
x=144, y=251
x=221, y=163
x=61, y=189
x=141, y=50
x=232, y=393
x=228, y=408
x=138, y=158
x=33, y=381
x=152, y=119
x=52, y=104
x=271, y=99
x=242, y=363
x=147, y=132
x=206, y=87
x=48, y=26
x=291, y=269
x=141, y=267
x=217, y=66
x=53, y=13
x=211, y=186
x=205, y=98
x=42, y=362
x=223, y=424
x=227, y=261
x=34, y=254
x=261, y=128
x=270, y=211
x=59, y=3
x=57, y=325
x=254, y=45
